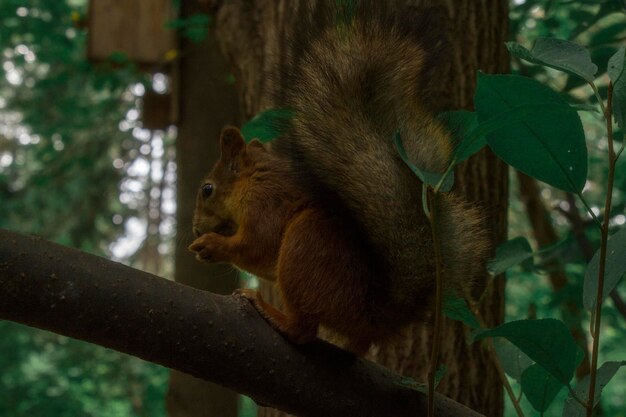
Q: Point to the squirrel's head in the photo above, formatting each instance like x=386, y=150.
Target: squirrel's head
x=219, y=199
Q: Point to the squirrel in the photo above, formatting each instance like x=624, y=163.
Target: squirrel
x=329, y=211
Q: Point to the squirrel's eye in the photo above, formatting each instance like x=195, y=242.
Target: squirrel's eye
x=207, y=190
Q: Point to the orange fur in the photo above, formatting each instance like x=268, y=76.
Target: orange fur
x=330, y=212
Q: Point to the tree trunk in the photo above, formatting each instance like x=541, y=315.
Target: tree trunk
x=207, y=103
x=255, y=36
x=478, y=32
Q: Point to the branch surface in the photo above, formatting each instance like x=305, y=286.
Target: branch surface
x=217, y=338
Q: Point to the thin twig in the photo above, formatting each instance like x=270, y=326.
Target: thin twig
x=597, y=316
x=599, y=98
x=504, y=379
x=496, y=361
x=434, y=356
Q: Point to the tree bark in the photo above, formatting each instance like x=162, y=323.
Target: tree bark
x=255, y=36
x=218, y=338
x=207, y=102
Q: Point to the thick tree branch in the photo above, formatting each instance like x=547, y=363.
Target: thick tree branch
x=217, y=338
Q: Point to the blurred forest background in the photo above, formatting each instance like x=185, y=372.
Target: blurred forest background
x=79, y=166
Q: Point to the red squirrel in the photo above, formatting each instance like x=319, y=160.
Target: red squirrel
x=329, y=211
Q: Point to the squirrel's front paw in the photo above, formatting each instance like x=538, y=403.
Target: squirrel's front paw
x=253, y=296
x=209, y=248
x=269, y=313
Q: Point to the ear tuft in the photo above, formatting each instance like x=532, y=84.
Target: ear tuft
x=232, y=143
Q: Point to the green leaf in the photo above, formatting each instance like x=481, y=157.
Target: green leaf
x=513, y=360
x=463, y=125
x=617, y=72
x=601, y=55
x=268, y=125
x=558, y=54
x=547, y=144
x=539, y=387
x=456, y=308
x=429, y=178
x=604, y=374
x=196, y=34
x=547, y=341
x=613, y=272
x=194, y=27
x=510, y=253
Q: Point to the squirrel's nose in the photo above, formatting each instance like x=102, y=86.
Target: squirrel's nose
x=197, y=232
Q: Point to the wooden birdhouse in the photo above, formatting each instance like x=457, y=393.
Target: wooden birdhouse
x=135, y=28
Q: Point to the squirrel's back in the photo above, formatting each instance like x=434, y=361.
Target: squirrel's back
x=358, y=83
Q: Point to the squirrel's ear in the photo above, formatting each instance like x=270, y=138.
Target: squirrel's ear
x=232, y=143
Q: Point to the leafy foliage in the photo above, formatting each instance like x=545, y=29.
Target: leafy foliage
x=537, y=130
x=48, y=375
x=51, y=95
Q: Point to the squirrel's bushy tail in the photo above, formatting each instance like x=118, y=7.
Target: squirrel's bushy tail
x=354, y=86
